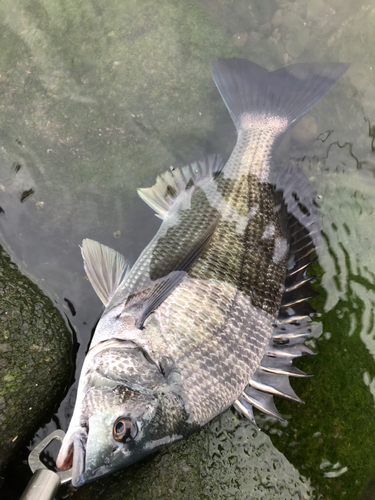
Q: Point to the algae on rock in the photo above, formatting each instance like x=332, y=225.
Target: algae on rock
x=35, y=357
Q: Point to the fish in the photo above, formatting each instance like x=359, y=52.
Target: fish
x=216, y=307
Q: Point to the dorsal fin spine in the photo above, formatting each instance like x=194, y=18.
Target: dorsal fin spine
x=170, y=185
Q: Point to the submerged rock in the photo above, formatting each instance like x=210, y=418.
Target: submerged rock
x=297, y=42
x=314, y=7
x=277, y=18
x=35, y=361
x=306, y=130
x=240, y=39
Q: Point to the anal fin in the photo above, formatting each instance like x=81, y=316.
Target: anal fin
x=246, y=409
x=262, y=401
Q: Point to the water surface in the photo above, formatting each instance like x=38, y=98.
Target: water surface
x=98, y=97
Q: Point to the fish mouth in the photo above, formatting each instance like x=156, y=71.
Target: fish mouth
x=87, y=464
x=79, y=457
x=72, y=455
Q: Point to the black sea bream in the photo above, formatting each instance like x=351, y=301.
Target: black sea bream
x=215, y=308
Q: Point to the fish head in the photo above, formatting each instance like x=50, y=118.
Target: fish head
x=126, y=408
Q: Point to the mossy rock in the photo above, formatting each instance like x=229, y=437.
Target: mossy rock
x=35, y=357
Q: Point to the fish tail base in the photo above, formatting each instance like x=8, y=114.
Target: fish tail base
x=250, y=92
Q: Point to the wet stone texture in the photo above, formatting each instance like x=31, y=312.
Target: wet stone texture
x=35, y=357
x=228, y=459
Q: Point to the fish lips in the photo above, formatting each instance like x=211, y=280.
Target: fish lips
x=79, y=440
x=72, y=456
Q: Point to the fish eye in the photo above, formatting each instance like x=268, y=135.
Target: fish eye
x=124, y=429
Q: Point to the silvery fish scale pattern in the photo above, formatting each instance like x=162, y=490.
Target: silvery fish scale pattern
x=126, y=365
x=102, y=399
x=254, y=148
x=113, y=378
x=241, y=252
x=217, y=340
x=170, y=246
x=215, y=325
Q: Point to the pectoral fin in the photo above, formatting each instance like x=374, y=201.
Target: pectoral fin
x=167, y=270
x=105, y=268
x=141, y=304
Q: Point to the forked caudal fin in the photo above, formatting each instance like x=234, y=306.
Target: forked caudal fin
x=250, y=91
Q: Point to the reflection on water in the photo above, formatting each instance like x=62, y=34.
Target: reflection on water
x=96, y=98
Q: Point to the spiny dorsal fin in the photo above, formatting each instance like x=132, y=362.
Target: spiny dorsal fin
x=172, y=183
x=105, y=268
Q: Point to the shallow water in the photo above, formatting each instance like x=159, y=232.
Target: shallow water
x=97, y=98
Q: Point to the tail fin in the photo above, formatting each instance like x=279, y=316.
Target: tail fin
x=289, y=92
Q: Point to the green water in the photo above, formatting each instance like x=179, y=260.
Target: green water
x=99, y=96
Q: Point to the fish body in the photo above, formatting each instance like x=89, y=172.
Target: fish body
x=198, y=323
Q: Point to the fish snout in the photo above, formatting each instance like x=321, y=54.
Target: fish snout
x=64, y=459
x=72, y=455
